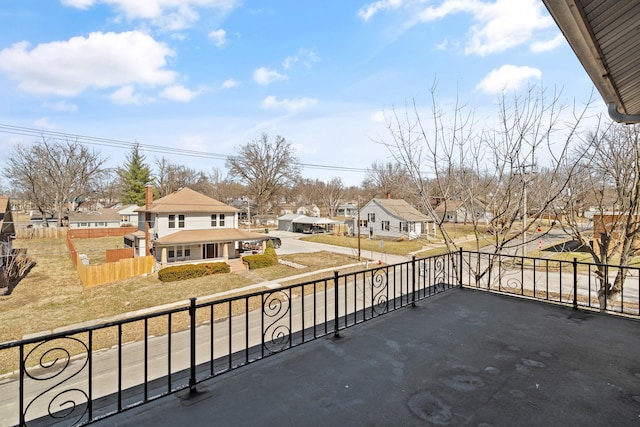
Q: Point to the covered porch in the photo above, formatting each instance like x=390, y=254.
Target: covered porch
x=201, y=245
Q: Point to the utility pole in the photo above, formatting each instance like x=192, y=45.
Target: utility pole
x=248, y=214
x=525, y=171
x=358, y=225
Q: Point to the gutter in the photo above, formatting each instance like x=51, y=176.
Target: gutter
x=622, y=118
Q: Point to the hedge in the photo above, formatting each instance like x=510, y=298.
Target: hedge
x=191, y=271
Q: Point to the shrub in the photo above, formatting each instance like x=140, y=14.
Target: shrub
x=260, y=260
x=191, y=271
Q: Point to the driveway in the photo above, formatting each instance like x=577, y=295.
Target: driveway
x=291, y=244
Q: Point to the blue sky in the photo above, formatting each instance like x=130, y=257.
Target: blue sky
x=210, y=75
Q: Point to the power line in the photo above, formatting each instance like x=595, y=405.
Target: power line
x=115, y=143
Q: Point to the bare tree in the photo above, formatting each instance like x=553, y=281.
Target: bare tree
x=609, y=177
x=332, y=193
x=54, y=173
x=266, y=167
x=389, y=178
x=487, y=171
x=170, y=177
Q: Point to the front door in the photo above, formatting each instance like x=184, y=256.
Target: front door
x=211, y=250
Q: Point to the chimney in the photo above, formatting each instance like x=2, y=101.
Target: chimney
x=148, y=199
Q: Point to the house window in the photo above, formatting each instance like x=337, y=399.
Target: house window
x=172, y=221
x=371, y=217
x=221, y=220
x=214, y=220
x=187, y=252
x=172, y=253
x=385, y=225
x=363, y=223
x=180, y=221
x=179, y=252
x=404, y=226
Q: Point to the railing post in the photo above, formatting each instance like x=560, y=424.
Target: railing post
x=413, y=281
x=192, y=345
x=460, y=269
x=575, y=283
x=336, y=319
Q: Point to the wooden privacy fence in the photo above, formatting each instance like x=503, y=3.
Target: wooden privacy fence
x=92, y=275
x=94, y=233
x=114, y=255
x=40, y=232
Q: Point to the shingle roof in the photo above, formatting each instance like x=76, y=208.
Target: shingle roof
x=188, y=201
x=100, y=215
x=401, y=209
x=208, y=236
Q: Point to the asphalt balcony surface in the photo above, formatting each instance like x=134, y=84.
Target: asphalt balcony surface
x=463, y=357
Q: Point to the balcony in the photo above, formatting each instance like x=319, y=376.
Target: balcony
x=423, y=342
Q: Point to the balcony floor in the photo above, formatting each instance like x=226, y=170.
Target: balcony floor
x=463, y=357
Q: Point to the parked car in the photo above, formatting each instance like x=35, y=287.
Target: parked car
x=257, y=244
x=276, y=242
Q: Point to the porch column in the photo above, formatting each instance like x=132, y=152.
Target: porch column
x=163, y=256
x=225, y=250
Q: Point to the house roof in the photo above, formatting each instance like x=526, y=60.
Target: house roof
x=401, y=209
x=187, y=200
x=604, y=36
x=101, y=215
x=208, y=236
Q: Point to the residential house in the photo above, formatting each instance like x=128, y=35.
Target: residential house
x=347, y=209
x=189, y=226
x=392, y=218
x=128, y=215
x=458, y=211
x=7, y=231
x=99, y=218
x=309, y=210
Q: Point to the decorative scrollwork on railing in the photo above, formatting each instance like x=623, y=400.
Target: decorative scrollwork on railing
x=276, y=334
x=512, y=284
x=53, y=367
x=379, y=284
x=439, y=273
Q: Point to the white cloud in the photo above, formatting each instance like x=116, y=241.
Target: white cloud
x=367, y=11
x=305, y=57
x=100, y=60
x=378, y=117
x=498, y=25
x=508, y=78
x=179, y=93
x=62, y=106
x=265, y=76
x=548, y=45
x=289, y=105
x=218, y=37
x=230, y=83
x=126, y=95
x=167, y=14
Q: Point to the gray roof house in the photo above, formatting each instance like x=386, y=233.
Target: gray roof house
x=392, y=218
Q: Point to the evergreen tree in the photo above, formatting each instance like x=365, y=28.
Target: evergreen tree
x=135, y=175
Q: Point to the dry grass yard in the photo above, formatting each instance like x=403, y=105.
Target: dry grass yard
x=52, y=296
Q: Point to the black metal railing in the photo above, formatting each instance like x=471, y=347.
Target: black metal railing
x=82, y=375
x=574, y=283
